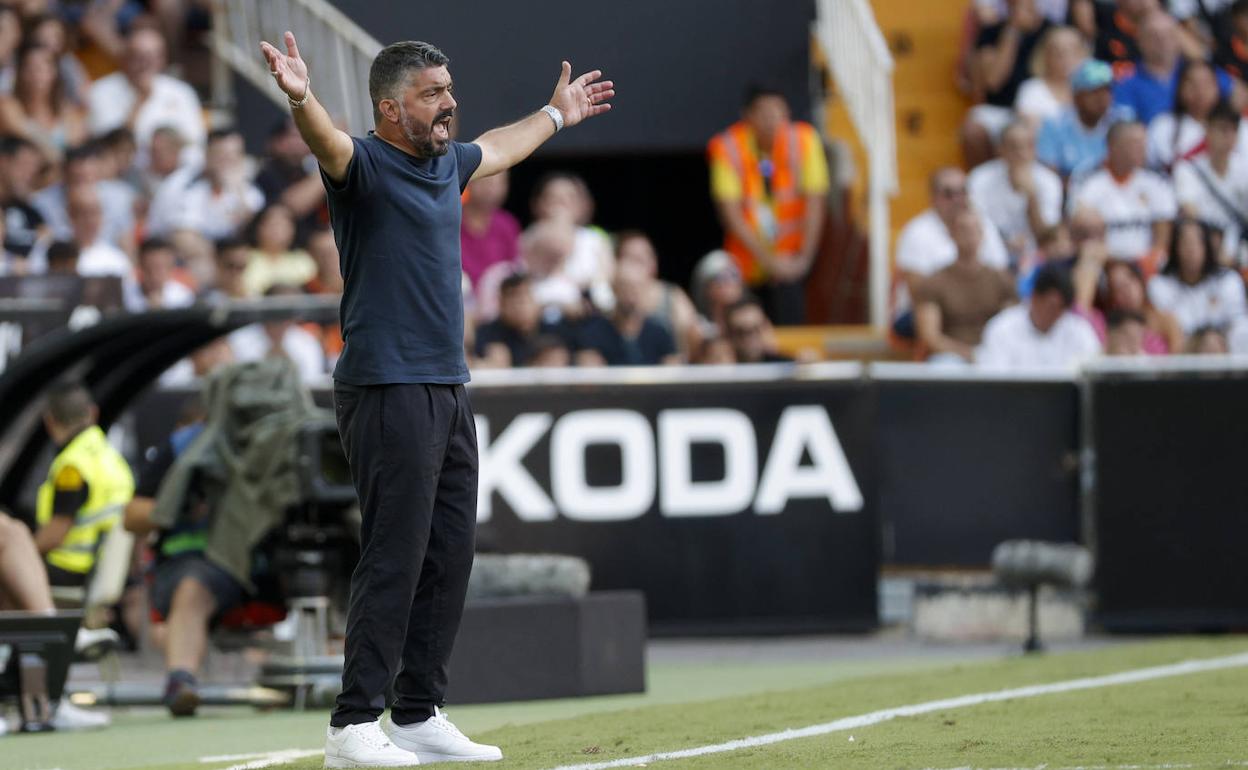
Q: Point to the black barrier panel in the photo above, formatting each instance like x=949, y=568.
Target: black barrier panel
x=965, y=465
x=1171, y=511
x=596, y=471
x=730, y=505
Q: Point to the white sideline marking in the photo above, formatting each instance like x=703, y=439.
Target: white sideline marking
x=884, y=715
x=240, y=757
x=269, y=759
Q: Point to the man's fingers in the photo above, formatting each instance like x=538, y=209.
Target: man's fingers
x=588, y=77
x=598, y=109
x=565, y=74
x=291, y=46
x=270, y=53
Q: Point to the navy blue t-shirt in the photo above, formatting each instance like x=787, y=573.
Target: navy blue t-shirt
x=396, y=223
x=651, y=345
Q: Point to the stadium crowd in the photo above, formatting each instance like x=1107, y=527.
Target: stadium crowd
x=129, y=177
x=1107, y=193
x=1108, y=188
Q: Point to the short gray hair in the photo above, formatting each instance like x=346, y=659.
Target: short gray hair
x=394, y=65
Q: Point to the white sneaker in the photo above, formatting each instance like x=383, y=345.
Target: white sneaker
x=92, y=643
x=437, y=740
x=70, y=717
x=364, y=745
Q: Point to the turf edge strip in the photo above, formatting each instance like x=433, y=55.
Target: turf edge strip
x=1105, y=767
x=884, y=715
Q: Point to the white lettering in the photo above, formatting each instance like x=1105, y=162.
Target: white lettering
x=84, y=316
x=10, y=342
x=784, y=478
x=679, y=430
x=502, y=468
x=572, y=434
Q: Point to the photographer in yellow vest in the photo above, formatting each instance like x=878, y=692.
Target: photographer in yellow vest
x=88, y=485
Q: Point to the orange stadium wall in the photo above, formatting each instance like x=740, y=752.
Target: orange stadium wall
x=924, y=37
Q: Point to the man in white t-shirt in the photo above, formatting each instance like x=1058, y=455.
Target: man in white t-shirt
x=155, y=287
x=143, y=99
x=1041, y=334
x=925, y=245
x=1213, y=185
x=545, y=249
x=1018, y=195
x=285, y=338
x=82, y=167
x=256, y=342
x=219, y=201
x=96, y=256
x=1138, y=206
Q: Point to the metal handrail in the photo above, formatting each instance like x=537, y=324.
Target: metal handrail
x=862, y=67
x=338, y=52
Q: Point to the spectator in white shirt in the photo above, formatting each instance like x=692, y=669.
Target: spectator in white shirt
x=1192, y=286
x=1237, y=336
x=1172, y=135
x=96, y=256
x=1048, y=93
x=165, y=156
x=142, y=99
x=281, y=338
x=925, y=245
x=82, y=167
x=1138, y=206
x=561, y=195
x=1041, y=334
x=167, y=177
x=545, y=248
x=221, y=200
x=156, y=288
x=1213, y=185
x=1018, y=195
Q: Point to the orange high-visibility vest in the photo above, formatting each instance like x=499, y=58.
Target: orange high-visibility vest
x=778, y=220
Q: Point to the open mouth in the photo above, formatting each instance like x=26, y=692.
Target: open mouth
x=442, y=128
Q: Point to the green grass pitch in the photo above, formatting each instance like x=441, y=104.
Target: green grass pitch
x=1196, y=720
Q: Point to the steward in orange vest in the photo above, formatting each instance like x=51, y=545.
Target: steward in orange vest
x=769, y=180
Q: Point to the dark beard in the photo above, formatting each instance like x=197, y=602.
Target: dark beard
x=420, y=136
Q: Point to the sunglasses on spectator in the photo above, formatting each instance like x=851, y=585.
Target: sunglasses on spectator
x=234, y=267
x=951, y=192
x=745, y=331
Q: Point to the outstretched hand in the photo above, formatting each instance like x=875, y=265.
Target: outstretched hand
x=582, y=98
x=288, y=69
